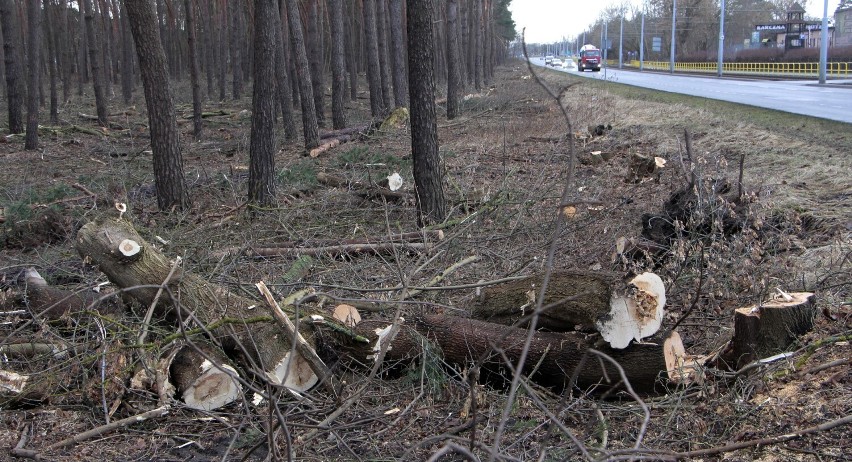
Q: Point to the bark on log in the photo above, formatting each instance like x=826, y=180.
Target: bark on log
x=770, y=328
x=52, y=302
x=575, y=300
x=238, y=325
x=590, y=292
x=553, y=356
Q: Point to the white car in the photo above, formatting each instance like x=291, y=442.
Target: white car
x=548, y=60
x=566, y=63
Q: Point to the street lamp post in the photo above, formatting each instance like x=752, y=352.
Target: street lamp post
x=672, y=50
x=720, y=63
x=642, y=42
x=823, y=47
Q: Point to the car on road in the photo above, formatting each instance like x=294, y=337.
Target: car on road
x=548, y=60
x=566, y=63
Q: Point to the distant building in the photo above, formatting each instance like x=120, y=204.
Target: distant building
x=795, y=32
x=843, y=26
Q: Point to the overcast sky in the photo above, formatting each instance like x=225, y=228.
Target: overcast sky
x=549, y=21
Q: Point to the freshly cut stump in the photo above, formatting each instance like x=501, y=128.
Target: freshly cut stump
x=201, y=384
x=770, y=328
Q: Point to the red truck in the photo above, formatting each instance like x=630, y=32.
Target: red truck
x=590, y=58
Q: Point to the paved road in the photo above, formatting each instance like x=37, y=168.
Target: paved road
x=806, y=97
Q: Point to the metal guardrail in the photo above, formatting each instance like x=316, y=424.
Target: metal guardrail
x=833, y=69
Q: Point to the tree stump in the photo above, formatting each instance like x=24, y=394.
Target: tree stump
x=770, y=328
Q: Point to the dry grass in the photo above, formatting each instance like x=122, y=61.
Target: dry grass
x=505, y=163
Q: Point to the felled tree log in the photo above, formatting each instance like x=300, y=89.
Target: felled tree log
x=620, y=311
x=553, y=356
x=770, y=328
x=141, y=269
x=52, y=302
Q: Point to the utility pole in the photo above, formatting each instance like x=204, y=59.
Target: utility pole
x=642, y=42
x=621, y=39
x=672, y=50
x=823, y=47
x=720, y=63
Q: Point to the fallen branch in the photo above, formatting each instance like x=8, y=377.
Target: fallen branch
x=19, y=451
x=334, y=250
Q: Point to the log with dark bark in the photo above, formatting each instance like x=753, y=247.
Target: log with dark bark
x=233, y=320
x=52, y=303
x=554, y=356
x=621, y=311
x=769, y=328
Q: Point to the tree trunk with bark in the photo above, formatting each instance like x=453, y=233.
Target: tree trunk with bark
x=770, y=328
x=262, y=151
x=453, y=63
x=13, y=57
x=384, y=56
x=49, y=26
x=428, y=177
x=374, y=76
x=165, y=138
x=283, y=90
x=477, y=44
x=95, y=64
x=316, y=51
x=126, y=57
x=235, y=38
x=338, y=64
x=400, y=62
x=34, y=72
x=194, y=71
x=351, y=57
x=303, y=73
x=235, y=322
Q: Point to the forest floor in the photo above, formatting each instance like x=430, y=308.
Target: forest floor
x=506, y=163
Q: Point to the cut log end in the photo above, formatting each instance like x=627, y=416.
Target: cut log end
x=681, y=368
x=213, y=388
x=130, y=250
x=347, y=314
x=294, y=372
x=634, y=315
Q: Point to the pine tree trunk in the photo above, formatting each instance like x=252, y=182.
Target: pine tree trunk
x=303, y=73
x=165, y=138
x=49, y=22
x=34, y=43
x=262, y=150
x=209, y=55
x=235, y=39
x=351, y=58
x=12, y=41
x=221, y=47
x=453, y=65
x=194, y=71
x=428, y=178
x=400, y=76
x=315, y=53
x=477, y=50
x=105, y=37
x=95, y=65
x=126, y=58
x=374, y=77
x=384, y=56
x=338, y=64
x=283, y=90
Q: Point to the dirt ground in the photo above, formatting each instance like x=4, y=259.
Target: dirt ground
x=506, y=162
